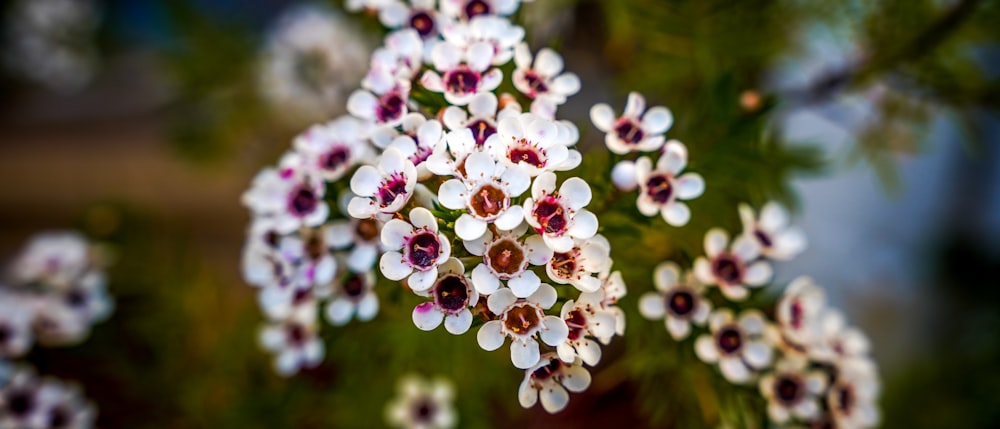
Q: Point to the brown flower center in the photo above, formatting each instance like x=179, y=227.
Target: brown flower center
x=522, y=318
x=488, y=201
x=506, y=257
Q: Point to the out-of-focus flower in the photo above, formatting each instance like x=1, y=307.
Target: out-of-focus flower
x=522, y=319
x=465, y=72
x=793, y=390
x=333, y=149
x=499, y=32
x=52, y=42
x=52, y=261
x=353, y=295
x=17, y=313
x=734, y=268
x=287, y=198
x=777, y=239
x=799, y=315
x=637, y=130
x=662, y=190
x=30, y=402
x=549, y=379
x=678, y=300
x=469, y=9
x=736, y=345
x=294, y=341
x=851, y=400
x=422, y=404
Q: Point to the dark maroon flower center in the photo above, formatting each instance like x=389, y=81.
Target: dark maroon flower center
x=20, y=403
x=796, y=315
x=482, y=130
x=506, y=257
x=730, y=340
x=452, y=293
x=527, y=154
x=367, y=229
x=335, y=158
x=681, y=303
x=423, y=411
x=536, y=83
x=488, y=201
x=787, y=389
x=76, y=298
x=354, y=285
x=727, y=269
x=390, y=107
x=462, y=80
x=763, y=238
x=844, y=399
x=550, y=215
x=564, y=264
x=628, y=131
x=296, y=334
x=576, y=322
x=476, y=8
x=303, y=200
x=521, y=318
x=660, y=188
x=423, y=22
x=391, y=188
x=301, y=295
x=547, y=371
x=423, y=249
x=6, y=333
x=59, y=417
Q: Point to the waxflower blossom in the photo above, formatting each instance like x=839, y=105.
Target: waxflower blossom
x=486, y=194
x=419, y=146
x=544, y=81
x=468, y=9
x=481, y=118
x=613, y=286
x=398, y=60
x=52, y=42
x=851, y=400
x=362, y=236
x=464, y=72
x=793, y=390
x=287, y=198
x=331, y=150
x=560, y=216
x=29, y=401
x=499, y=32
x=420, y=15
x=294, y=341
x=522, y=319
x=353, y=296
x=663, y=189
x=415, y=249
x=732, y=269
x=422, y=404
x=383, y=102
x=799, y=314
x=736, y=345
x=585, y=318
x=549, y=380
x=841, y=344
x=452, y=296
x=532, y=142
x=637, y=130
x=678, y=300
x=776, y=238
x=506, y=257
x=579, y=265
x=385, y=189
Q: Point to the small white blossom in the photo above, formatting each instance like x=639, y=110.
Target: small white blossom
x=419, y=146
x=362, y=236
x=287, y=198
x=736, y=345
x=422, y=404
x=522, y=319
x=469, y=9
x=734, y=268
x=486, y=194
x=384, y=189
x=579, y=265
x=543, y=81
x=415, y=249
x=353, y=296
x=505, y=258
x=852, y=400
x=637, y=130
x=399, y=59
x=452, y=296
x=295, y=341
x=383, y=102
x=678, y=300
x=793, y=390
x=549, y=379
x=777, y=239
x=30, y=402
x=614, y=289
x=420, y=15
x=662, y=190
x=332, y=149
x=52, y=260
x=560, y=216
x=465, y=72
x=586, y=319
x=497, y=31
x=532, y=142
x=799, y=316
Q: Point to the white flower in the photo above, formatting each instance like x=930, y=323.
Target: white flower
x=420, y=15
x=799, y=315
x=29, y=402
x=578, y=265
x=384, y=102
x=64, y=405
x=851, y=400
x=841, y=344
x=545, y=82
x=385, y=189
x=679, y=301
x=65, y=317
x=399, y=59
x=586, y=318
x=288, y=269
x=287, y=198
x=448, y=158
x=550, y=379
x=295, y=342
x=362, y=236
x=469, y=9
x=481, y=119
x=531, y=141
x=485, y=194
x=452, y=296
x=497, y=31
x=465, y=72
x=353, y=296
x=422, y=404
x=506, y=258
x=560, y=216
x=777, y=239
x=793, y=390
x=414, y=247
x=332, y=149
x=637, y=130
x=54, y=260
x=614, y=289
x=737, y=346
x=521, y=319
x=661, y=190
x=733, y=269
x=17, y=313
x=419, y=146
x=312, y=59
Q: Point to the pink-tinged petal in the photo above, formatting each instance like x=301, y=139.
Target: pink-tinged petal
x=458, y=324
x=452, y=194
x=362, y=104
x=393, y=266
x=734, y=370
x=773, y=217
x=623, y=176
x=339, y=311
x=651, y=306
x=678, y=328
x=602, y=116
x=734, y=293
x=524, y=284
x=566, y=84
x=746, y=248
x=524, y=354
x=545, y=296
x=484, y=281
x=635, y=105
x=469, y=228
x=483, y=105
x=527, y=396
x=555, y=399
x=489, y=336
x=422, y=218
x=584, y=225
x=666, y=276
x=673, y=159
x=548, y=63
x=576, y=193
x=539, y=253
x=432, y=81
x=689, y=186
x=758, y=354
x=422, y=280
x=394, y=234
x=657, y=120
x=491, y=80
x=704, y=347
x=715, y=241
x=368, y=307
x=365, y=181
x=479, y=56
x=555, y=331
x=545, y=184
x=426, y=317
x=676, y=213
x=758, y=274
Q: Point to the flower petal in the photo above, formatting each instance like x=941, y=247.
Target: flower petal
x=489, y=336
x=524, y=354
x=458, y=324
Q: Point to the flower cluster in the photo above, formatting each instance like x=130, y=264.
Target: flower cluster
x=52, y=42
x=453, y=191
x=31, y=402
x=807, y=363
x=422, y=404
